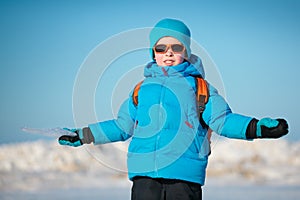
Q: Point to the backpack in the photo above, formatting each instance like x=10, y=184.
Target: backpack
x=202, y=95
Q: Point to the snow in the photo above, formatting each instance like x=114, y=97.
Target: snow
x=265, y=161
x=44, y=168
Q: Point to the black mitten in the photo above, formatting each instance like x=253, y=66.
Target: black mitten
x=267, y=128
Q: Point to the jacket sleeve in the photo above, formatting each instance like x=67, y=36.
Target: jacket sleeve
x=119, y=129
x=219, y=117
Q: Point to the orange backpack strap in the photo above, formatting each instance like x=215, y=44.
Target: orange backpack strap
x=202, y=95
x=136, y=93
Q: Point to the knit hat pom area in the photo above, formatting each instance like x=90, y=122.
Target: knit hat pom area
x=171, y=28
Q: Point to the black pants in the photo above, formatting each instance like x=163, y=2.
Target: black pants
x=145, y=188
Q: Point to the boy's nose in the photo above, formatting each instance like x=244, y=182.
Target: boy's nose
x=169, y=52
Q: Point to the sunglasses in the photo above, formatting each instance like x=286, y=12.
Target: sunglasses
x=163, y=48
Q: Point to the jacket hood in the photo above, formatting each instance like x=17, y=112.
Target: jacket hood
x=193, y=67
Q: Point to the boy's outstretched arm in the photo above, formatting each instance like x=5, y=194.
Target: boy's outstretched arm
x=219, y=117
x=119, y=129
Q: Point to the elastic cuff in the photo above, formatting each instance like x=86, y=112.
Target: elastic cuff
x=87, y=136
x=251, y=129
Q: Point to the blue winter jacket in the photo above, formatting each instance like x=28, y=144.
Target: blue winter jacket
x=167, y=139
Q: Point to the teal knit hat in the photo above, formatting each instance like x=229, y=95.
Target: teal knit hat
x=172, y=28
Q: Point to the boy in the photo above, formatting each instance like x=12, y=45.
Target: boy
x=168, y=153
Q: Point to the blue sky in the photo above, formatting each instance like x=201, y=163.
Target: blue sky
x=255, y=45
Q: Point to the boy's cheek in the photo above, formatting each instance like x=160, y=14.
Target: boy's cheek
x=180, y=58
x=159, y=59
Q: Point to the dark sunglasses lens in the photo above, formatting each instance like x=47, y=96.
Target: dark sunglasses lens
x=177, y=48
x=160, y=48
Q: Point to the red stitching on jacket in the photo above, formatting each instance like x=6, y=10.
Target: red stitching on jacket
x=189, y=124
x=165, y=71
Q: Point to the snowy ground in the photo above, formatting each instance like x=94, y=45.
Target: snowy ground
x=267, y=169
x=120, y=190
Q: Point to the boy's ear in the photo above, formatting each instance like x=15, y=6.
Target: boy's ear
x=153, y=54
x=185, y=55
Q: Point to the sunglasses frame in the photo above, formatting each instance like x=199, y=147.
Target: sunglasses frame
x=168, y=46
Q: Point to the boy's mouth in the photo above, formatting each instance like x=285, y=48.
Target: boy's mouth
x=169, y=62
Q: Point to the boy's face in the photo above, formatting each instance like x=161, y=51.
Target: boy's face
x=174, y=52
